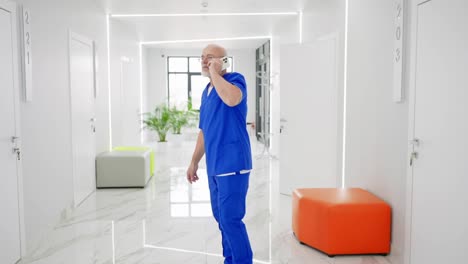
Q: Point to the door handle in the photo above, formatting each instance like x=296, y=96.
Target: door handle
x=414, y=155
x=415, y=142
x=18, y=153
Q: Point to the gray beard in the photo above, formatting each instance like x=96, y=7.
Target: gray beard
x=205, y=74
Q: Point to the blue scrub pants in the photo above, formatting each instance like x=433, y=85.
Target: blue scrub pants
x=228, y=204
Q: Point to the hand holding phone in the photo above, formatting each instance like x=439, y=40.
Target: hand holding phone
x=225, y=63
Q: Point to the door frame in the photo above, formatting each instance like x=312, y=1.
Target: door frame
x=71, y=36
x=262, y=130
x=412, y=26
x=11, y=7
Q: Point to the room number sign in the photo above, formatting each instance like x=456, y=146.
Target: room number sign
x=27, y=60
x=397, y=52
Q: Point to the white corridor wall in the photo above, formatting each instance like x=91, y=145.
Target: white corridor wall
x=376, y=138
x=125, y=84
x=46, y=123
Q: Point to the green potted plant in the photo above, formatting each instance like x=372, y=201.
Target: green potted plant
x=182, y=118
x=178, y=119
x=193, y=115
x=158, y=121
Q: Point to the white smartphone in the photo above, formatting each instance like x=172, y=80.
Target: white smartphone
x=225, y=62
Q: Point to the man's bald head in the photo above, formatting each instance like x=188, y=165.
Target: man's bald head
x=214, y=49
x=210, y=52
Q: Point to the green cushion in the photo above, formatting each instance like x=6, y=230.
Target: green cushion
x=133, y=148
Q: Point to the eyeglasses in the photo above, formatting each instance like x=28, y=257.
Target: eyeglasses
x=208, y=58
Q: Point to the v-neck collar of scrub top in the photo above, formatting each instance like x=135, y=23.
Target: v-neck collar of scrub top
x=207, y=87
x=211, y=94
x=210, y=90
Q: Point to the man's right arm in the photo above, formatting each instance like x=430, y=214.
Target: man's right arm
x=197, y=155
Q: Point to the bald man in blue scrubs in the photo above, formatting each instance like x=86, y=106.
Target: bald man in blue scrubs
x=224, y=139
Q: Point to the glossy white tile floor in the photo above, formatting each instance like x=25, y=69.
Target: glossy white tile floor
x=169, y=222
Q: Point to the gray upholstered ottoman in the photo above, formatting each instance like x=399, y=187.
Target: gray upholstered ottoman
x=123, y=169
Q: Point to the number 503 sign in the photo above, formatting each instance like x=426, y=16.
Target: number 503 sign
x=27, y=60
x=398, y=52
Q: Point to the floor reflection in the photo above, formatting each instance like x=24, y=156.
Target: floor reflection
x=189, y=200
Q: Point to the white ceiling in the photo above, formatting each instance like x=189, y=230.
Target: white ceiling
x=195, y=6
x=182, y=28
x=204, y=27
x=228, y=44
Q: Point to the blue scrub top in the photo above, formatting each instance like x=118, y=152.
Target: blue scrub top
x=227, y=144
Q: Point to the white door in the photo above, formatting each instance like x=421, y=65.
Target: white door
x=439, y=227
x=83, y=116
x=308, y=156
x=9, y=200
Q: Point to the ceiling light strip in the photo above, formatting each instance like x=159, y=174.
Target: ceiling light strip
x=208, y=14
x=201, y=40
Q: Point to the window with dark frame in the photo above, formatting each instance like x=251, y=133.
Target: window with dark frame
x=185, y=82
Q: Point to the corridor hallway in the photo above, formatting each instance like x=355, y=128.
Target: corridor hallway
x=170, y=222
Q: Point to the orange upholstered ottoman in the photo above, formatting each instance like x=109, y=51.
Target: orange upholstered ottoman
x=341, y=221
